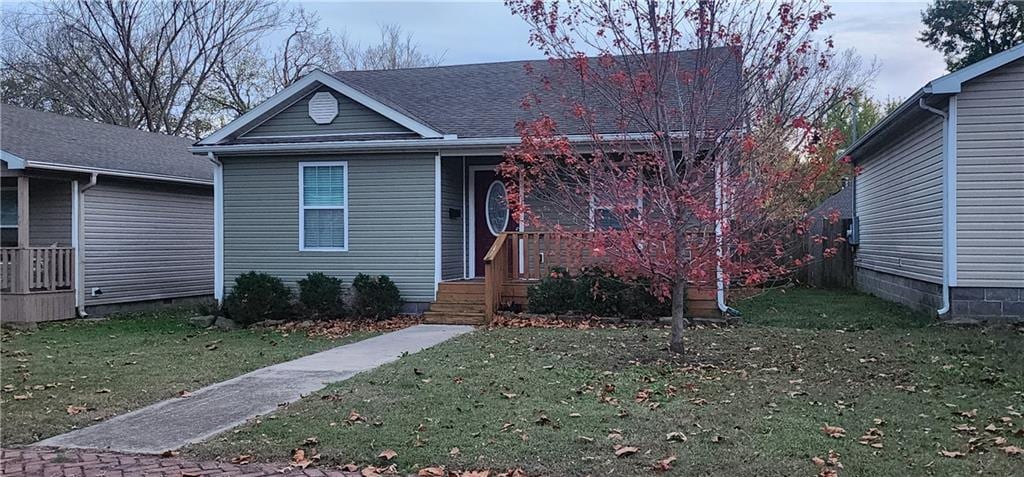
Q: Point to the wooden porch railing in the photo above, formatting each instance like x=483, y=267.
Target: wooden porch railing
x=516, y=256
x=33, y=269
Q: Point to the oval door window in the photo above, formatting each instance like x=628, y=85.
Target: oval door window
x=496, y=208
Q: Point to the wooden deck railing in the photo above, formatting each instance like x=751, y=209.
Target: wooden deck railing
x=33, y=269
x=517, y=256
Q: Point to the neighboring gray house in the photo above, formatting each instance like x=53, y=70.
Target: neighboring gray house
x=940, y=200
x=97, y=216
x=388, y=172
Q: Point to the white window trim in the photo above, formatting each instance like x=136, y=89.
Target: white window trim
x=303, y=207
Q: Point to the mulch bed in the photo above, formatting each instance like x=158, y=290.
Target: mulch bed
x=334, y=329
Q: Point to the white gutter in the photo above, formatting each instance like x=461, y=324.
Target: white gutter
x=948, y=197
x=78, y=239
x=380, y=145
x=218, y=228
x=114, y=172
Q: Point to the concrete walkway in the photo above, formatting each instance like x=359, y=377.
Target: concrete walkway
x=174, y=423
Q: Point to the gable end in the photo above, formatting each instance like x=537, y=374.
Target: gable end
x=314, y=115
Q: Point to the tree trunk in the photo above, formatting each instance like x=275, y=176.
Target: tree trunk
x=678, y=317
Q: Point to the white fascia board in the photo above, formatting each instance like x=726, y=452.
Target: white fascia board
x=953, y=82
x=12, y=161
x=115, y=172
x=299, y=87
x=425, y=145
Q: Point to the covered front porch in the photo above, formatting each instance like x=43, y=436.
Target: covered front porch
x=489, y=259
x=38, y=269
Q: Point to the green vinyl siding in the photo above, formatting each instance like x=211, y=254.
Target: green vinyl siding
x=353, y=118
x=391, y=220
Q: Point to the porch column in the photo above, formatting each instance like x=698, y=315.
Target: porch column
x=22, y=260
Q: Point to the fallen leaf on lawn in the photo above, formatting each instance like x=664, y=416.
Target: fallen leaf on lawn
x=371, y=471
x=878, y=421
x=614, y=436
x=102, y=391
x=509, y=395
x=999, y=441
x=574, y=414
x=625, y=451
x=387, y=454
x=22, y=397
x=353, y=417
x=951, y=454
x=299, y=459
x=642, y=395
x=184, y=394
x=454, y=452
x=818, y=461
x=833, y=431
x=872, y=437
x=72, y=410
x=969, y=414
x=431, y=472
x=675, y=436
x=169, y=453
x=1012, y=450
x=349, y=467
x=246, y=458
x=716, y=439
x=311, y=441
x=665, y=464
x=585, y=438
x=992, y=428
x=965, y=428
x=542, y=420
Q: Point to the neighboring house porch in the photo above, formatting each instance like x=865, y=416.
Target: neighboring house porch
x=38, y=260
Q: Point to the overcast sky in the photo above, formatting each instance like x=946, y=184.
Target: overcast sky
x=472, y=31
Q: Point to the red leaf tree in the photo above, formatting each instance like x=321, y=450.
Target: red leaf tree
x=681, y=133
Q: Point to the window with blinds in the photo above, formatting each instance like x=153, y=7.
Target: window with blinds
x=323, y=206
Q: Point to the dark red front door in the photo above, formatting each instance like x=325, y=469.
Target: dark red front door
x=483, y=182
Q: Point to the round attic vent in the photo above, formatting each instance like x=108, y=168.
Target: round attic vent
x=323, y=107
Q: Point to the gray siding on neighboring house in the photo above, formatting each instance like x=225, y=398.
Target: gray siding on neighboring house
x=990, y=179
x=352, y=118
x=452, y=242
x=147, y=241
x=49, y=212
x=899, y=204
x=391, y=220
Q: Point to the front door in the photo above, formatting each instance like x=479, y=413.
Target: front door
x=491, y=215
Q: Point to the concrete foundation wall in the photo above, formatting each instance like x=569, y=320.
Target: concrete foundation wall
x=989, y=303
x=982, y=303
x=916, y=294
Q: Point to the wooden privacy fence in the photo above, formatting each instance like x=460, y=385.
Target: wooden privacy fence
x=826, y=272
x=37, y=269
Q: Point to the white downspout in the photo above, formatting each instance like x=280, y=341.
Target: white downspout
x=218, y=228
x=78, y=239
x=948, y=195
x=719, y=253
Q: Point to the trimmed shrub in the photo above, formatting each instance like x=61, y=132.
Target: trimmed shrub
x=257, y=297
x=375, y=298
x=322, y=295
x=596, y=292
x=556, y=293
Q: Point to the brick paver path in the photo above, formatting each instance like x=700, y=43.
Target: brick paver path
x=51, y=462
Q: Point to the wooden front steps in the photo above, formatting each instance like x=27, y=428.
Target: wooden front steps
x=458, y=303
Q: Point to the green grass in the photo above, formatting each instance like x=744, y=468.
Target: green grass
x=121, y=364
x=751, y=400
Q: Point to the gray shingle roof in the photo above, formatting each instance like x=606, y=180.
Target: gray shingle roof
x=485, y=100
x=40, y=137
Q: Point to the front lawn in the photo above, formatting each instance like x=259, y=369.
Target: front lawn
x=750, y=400
x=68, y=375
